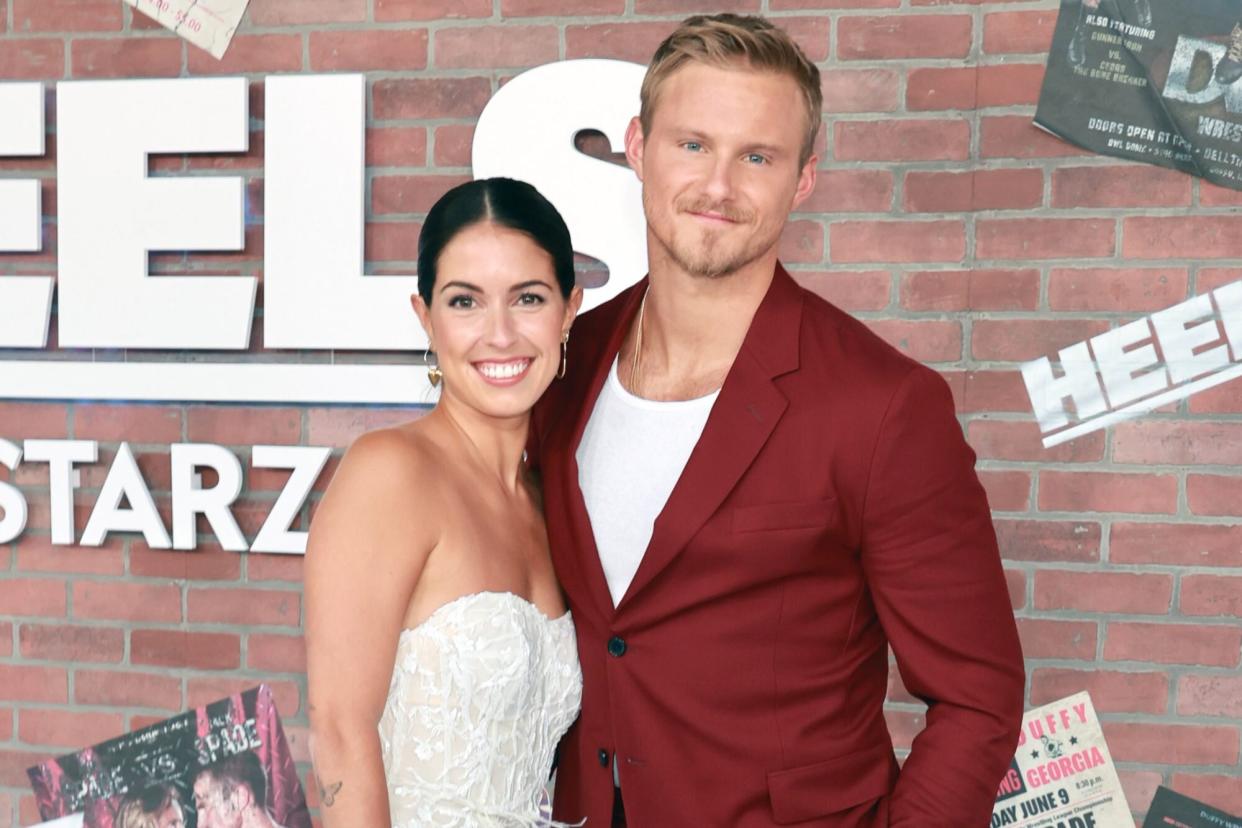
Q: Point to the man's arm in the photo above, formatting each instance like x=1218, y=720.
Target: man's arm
x=930, y=559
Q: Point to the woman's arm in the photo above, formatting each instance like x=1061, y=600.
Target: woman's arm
x=365, y=553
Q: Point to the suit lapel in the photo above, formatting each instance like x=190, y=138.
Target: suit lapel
x=745, y=413
x=579, y=402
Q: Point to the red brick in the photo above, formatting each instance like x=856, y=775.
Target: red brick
x=1107, y=492
x=976, y=87
x=299, y=12
x=1010, y=440
x=812, y=34
x=178, y=648
x=368, y=50
x=692, y=6
x=819, y=5
x=1116, y=289
x=1210, y=195
x=67, y=728
x=859, y=90
x=1210, y=278
x=419, y=98
x=13, y=764
x=1214, y=494
x=240, y=426
x=946, y=139
x=147, y=57
x=1168, y=744
x=387, y=11
x=454, y=145
x=245, y=607
x=1175, y=237
x=1030, y=238
x=1218, y=790
x=927, y=340
x=114, y=423
x=396, y=146
x=848, y=289
x=897, y=241
x=257, y=54
x=904, y=36
x=33, y=59
x=1023, y=32
x=6, y=732
x=635, y=41
x=35, y=553
x=1112, y=691
x=850, y=191
x=275, y=568
x=6, y=641
x=1210, y=696
x=67, y=643
x=410, y=193
x=32, y=421
x=1046, y=638
x=1014, y=136
x=1015, y=582
x=126, y=689
x=200, y=691
x=491, y=47
x=1173, y=643
x=277, y=653
x=1178, y=443
x=34, y=684
x=1008, y=491
x=126, y=601
x=208, y=562
x=1223, y=399
x=967, y=290
x=33, y=596
x=1174, y=544
x=952, y=192
x=1107, y=592
x=904, y=725
x=1022, y=339
x=1211, y=595
x=556, y=8
x=338, y=427
x=802, y=241
x=1048, y=540
x=66, y=16
x=1135, y=185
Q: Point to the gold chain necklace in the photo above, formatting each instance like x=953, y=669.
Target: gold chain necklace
x=636, y=362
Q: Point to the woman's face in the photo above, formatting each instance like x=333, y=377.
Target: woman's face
x=496, y=319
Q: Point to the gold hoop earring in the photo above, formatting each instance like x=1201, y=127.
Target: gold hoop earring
x=434, y=374
x=564, y=356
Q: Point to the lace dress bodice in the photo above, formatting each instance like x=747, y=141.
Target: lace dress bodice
x=481, y=693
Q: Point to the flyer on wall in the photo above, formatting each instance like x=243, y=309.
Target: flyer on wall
x=155, y=773
x=1159, y=82
x=208, y=24
x=1062, y=775
x=1169, y=809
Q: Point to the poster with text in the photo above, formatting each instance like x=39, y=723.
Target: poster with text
x=229, y=757
x=1169, y=809
x=208, y=24
x=1062, y=775
x=1158, y=81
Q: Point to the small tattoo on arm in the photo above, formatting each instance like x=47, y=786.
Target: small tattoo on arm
x=327, y=793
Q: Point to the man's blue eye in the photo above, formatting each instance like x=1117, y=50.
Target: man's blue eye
x=756, y=158
x=693, y=146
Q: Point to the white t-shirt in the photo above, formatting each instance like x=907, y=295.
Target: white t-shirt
x=631, y=455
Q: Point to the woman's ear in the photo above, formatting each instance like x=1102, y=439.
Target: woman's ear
x=572, y=304
x=424, y=315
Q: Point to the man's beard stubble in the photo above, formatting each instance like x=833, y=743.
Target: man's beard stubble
x=703, y=259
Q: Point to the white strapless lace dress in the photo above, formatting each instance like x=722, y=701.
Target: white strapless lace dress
x=481, y=693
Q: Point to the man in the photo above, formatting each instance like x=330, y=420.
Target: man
x=750, y=497
x=232, y=793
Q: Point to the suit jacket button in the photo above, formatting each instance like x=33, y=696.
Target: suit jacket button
x=603, y=758
x=616, y=646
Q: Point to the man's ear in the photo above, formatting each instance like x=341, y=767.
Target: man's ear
x=634, y=140
x=806, y=181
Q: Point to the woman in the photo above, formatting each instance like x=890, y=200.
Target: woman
x=441, y=658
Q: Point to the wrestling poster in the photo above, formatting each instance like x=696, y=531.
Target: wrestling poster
x=1158, y=81
x=1169, y=809
x=1062, y=775
x=229, y=756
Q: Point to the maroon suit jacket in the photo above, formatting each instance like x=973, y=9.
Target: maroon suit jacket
x=829, y=510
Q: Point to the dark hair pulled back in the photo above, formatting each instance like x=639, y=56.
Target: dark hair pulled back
x=502, y=201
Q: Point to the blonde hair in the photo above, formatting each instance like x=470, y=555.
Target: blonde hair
x=726, y=40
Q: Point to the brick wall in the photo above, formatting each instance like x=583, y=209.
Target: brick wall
x=964, y=235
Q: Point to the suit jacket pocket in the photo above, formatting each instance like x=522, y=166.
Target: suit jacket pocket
x=825, y=788
x=798, y=514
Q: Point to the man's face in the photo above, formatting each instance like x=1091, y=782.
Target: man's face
x=720, y=167
x=214, y=809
